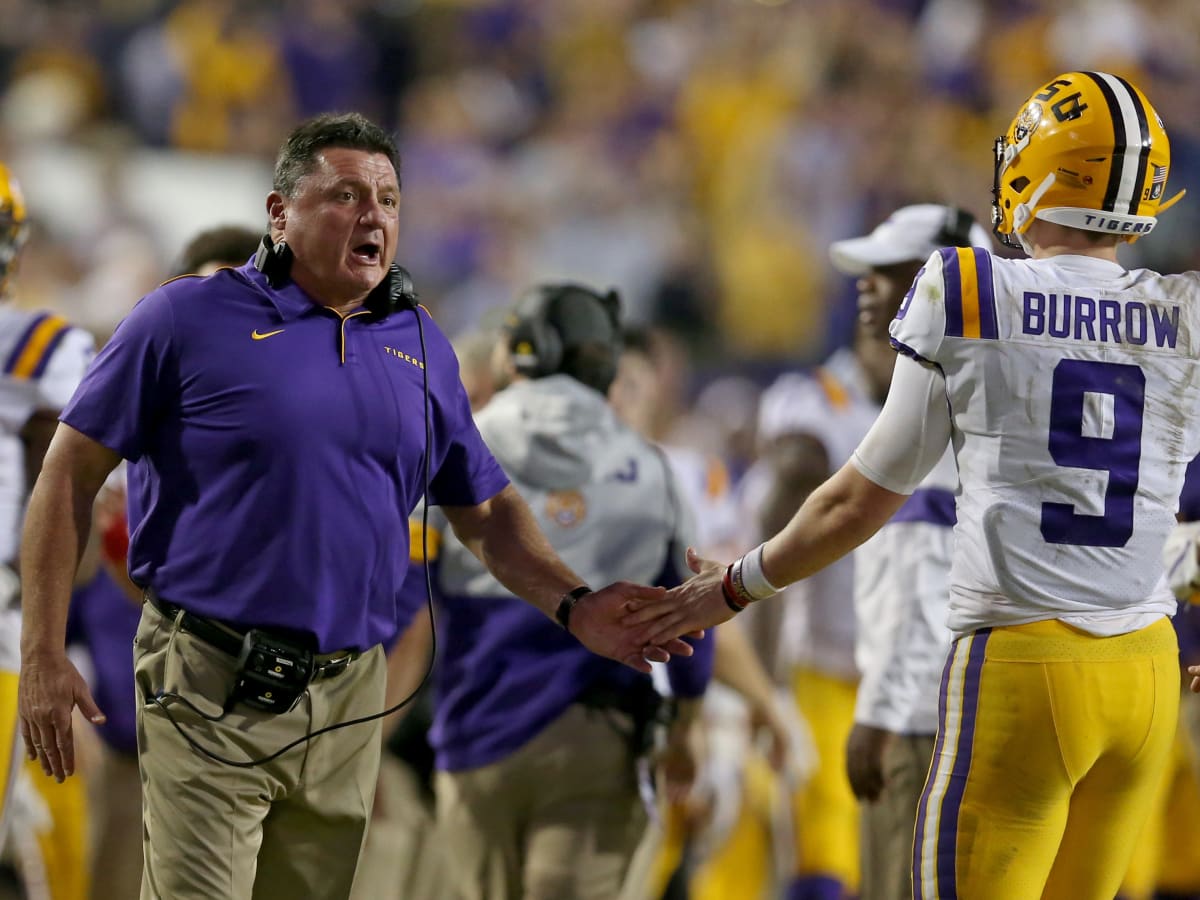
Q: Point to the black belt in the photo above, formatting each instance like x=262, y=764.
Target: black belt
x=229, y=639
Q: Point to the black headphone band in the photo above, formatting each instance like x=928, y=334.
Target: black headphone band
x=396, y=291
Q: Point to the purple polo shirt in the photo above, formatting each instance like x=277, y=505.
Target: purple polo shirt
x=280, y=451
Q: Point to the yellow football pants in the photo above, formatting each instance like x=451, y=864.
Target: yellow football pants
x=54, y=850
x=1051, y=746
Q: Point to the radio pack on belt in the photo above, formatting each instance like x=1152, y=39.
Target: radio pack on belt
x=271, y=673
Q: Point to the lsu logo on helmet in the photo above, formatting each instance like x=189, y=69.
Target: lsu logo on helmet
x=14, y=227
x=1087, y=150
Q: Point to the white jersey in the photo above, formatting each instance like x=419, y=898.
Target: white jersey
x=1072, y=387
x=833, y=405
x=901, y=590
x=42, y=361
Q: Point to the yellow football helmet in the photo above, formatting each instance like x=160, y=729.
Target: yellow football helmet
x=1086, y=150
x=14, y=225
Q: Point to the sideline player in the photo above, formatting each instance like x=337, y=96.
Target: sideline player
x=901, y=576
x=538, y=788
x=809, y=425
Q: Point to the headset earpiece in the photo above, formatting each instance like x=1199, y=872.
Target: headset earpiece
x=535, y=344
x=403, y=292
x=567, y=328
x=395, y=292
x=274, y=260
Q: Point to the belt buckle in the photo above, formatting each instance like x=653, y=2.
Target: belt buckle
x=334, y=667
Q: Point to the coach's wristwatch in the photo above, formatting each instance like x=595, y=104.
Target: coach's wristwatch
x=567, y=604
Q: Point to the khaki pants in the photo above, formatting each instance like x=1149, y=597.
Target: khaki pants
x=888, y=823
x=559, y=819
x=290, y=828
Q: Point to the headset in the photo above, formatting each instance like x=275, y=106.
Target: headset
x=956, y=228
x=536, y=339
x=395, y=292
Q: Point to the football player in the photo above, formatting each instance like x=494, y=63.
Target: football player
x=1067, y=386
x=43, y=358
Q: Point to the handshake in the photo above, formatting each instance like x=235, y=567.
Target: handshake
x=637, y=625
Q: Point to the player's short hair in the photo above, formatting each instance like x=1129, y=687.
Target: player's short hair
x=231, y=244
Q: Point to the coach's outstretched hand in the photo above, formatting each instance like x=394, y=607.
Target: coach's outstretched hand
x=695, y=605
x=598, y=621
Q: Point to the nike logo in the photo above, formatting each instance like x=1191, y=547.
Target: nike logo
x=266, y=334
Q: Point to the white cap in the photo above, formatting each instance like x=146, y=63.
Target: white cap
x=909, y=234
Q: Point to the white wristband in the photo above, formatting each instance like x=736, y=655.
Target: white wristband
x=753, y=579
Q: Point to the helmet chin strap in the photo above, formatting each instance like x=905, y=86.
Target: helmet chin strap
x=1023, y=214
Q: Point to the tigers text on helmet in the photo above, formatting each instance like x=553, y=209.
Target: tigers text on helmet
x=1087, y=150
x=14, y=227
x=567, y=328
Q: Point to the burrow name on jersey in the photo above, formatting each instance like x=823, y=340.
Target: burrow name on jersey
x=1104, y=321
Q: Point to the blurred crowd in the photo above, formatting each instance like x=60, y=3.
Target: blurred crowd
x=699, y=155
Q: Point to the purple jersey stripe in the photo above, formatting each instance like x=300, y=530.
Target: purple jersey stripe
x=987, y=296
x=952, y=278
x=923, y=806
x=932, y=505
x=948, y=819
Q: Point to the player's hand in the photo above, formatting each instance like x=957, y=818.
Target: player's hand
x=1194, y=671
x=769, y=723
x=864, y=760
x=597, y=621
x=695, y=605
x=49, y=689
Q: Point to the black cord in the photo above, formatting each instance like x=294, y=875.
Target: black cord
x=158, y=700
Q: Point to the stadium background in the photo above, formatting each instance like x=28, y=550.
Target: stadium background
x=700, y=155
